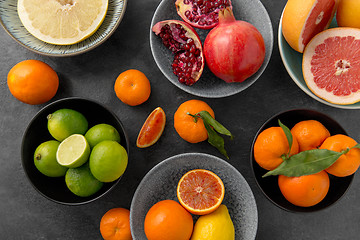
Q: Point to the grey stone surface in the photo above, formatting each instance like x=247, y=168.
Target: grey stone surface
x=27, y=215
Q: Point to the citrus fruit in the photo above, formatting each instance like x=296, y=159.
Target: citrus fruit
x=303, y=19
x=271, y=146
x=73, y=152
x=65, y=122
x=101, y=132
x=32, y=82
x=305, y=191
x=331, y=65
x=152, y=128
x=200, y=191
x=214, y=226
x=45, y=159
x=310, y=134
x=115, y=224
x=346, y=164
x=132, y=87
x=81, y=182
x=62, y=22
x=166, y=220
x=347, y=14
x=186, y=126
x=108, y=161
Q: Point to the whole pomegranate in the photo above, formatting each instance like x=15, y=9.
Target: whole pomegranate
x=234, y=50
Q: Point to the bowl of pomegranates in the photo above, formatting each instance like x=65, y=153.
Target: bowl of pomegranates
x=214, y=48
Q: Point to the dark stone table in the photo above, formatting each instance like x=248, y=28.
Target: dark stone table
x=27, y=215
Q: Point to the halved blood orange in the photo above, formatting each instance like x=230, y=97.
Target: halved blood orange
x=152, y=128
x=303, y=19
x=200, y=191
x=331, y=65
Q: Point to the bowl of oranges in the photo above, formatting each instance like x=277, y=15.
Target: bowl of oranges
x=74, y=151
x=192, y=194
x=318, y=168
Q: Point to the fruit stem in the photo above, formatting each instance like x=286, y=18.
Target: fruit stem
x=194, y=116
x=226, y=15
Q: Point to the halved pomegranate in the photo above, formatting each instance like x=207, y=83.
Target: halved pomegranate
x=201, y=13
x=185, y=43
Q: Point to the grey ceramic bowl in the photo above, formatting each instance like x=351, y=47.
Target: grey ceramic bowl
x=54, y=188
x=10, y=20
x=160, y=183
x=209, y=85
x=293, y=63
x=269, y=185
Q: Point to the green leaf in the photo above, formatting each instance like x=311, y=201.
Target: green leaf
x=306, y=163
x=215, y=124
x=288, y=136
x=356, y=146
x=215, y=140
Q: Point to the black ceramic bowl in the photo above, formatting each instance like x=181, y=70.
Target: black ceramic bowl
x=36, y=133
x=269, y=185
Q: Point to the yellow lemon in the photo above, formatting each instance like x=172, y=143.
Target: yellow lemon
x=214, y=226
x=62, y=22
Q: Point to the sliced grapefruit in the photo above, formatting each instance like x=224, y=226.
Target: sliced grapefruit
x=200, y=191
x=303, y=19
x=331, y=65
x=152, y=128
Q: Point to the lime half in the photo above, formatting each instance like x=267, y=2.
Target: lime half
x=73, y=152
x=81, y=182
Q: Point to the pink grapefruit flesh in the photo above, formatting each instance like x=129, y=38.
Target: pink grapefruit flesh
x=331, y=65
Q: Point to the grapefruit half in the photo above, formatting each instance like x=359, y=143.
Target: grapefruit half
x=200, y=191
x=303, y=19
x=331, y=65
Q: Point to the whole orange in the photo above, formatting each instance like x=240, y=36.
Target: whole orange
x=186, y=126
x=305, y=191
x=32, y=82
x=167, y=220
x=310, y=134
x=348, y=12
x=132, y=87
x=346, y=164
x=115, y=224
x=271, y=146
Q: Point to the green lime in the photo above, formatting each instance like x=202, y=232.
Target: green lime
x=45, y=159
x=73, y=152
x=81, y=182
x=101, y=132
x=65, y=122
x=108, y=161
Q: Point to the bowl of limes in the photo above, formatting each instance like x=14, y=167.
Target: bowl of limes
x=74, y=151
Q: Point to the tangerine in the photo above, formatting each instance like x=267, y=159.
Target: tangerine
x=152, y=128
x=271, y=146
x=347, y=14
x=302, y=20
x=346, y=164
x=166, y=220
x=305, y=191
x=200, y=191
x=32, y=82
x=310, y=134
x=132, y=87
x=115, y=224
x=191, y=129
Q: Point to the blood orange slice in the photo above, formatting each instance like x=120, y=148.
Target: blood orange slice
x=200, y=191
x=152, y=128
x=303, y=19
x=331, y=65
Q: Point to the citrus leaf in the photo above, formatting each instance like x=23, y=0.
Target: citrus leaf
x=215, y=140
x=356, y=146
x=206, y=117
x=306, y=163
x=287, y=134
